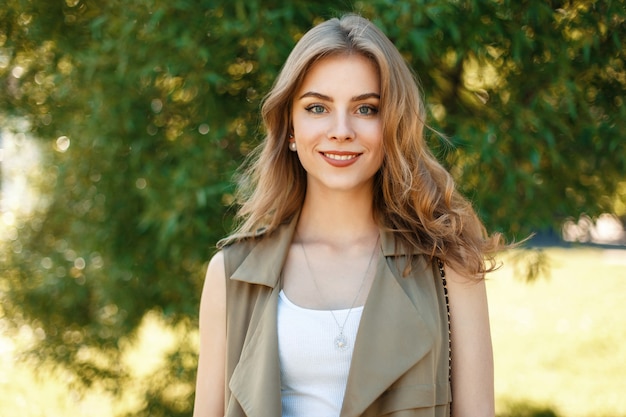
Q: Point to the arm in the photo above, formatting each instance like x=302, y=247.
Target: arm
x=472, y=353
x=209, y=400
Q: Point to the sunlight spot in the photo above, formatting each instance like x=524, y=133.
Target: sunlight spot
x=65, y=65
x=438, y=111
x=4, y=60
x=79, y=263
x=141, y=183
x=62, y=143
x=156, y=105
x=147, y=352
x=17, y=71
x=8, y=218
x=40, y=333
x=40, y=78
x=204, y=129
x=46, y=263
x=70, y=255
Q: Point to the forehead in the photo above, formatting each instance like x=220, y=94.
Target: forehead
x=337, y=73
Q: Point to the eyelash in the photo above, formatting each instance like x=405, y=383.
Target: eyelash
x=312, y=107
x=371, y=110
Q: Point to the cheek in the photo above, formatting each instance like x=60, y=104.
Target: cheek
x=302, y=127
x=378, y=141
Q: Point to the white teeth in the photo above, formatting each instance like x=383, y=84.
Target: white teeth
x=339, y=157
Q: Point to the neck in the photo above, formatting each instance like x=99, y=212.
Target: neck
x=340, y=218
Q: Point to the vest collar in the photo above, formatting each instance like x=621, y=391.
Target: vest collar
x=273, y=247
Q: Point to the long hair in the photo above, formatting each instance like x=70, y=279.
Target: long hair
x=414, y=196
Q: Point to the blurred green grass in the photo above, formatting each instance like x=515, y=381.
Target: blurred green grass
x=559, y=343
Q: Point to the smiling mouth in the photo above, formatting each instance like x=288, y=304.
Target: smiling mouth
x=340, y=157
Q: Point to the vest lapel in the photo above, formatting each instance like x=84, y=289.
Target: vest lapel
x=387, y=342
x=255, y=382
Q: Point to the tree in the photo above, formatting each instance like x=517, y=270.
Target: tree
x=144, y=109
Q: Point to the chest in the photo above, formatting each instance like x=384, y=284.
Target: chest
x=325, y=279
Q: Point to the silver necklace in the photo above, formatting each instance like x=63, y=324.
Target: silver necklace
x=340, y=341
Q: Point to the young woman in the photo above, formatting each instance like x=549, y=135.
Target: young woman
x=332, y=296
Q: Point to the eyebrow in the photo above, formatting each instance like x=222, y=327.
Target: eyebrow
x=328, y=98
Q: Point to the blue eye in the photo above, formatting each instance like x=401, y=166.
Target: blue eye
x=316, y=108
x=367, y=110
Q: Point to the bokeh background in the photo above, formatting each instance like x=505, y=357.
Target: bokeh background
x=122, y=122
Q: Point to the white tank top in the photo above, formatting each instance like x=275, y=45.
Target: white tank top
x=313, y=371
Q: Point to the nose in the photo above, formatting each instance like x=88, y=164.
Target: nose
x=341, y=128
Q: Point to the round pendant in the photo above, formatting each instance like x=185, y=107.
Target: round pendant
x=341, y=342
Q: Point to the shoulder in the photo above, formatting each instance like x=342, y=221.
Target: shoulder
x=465, y=289
x=214, y=281
x=216, y=265
x=244, y=237
x=236, y=248
x=467, y=298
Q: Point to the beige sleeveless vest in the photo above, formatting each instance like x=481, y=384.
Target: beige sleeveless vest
x=400, y=361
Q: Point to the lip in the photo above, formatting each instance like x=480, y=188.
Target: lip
x=340, y=159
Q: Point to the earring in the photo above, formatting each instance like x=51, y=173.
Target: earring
x=292, y=146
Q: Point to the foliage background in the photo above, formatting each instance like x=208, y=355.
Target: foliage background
x=142, y=110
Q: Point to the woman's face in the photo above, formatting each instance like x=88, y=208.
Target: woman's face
x=336, y=123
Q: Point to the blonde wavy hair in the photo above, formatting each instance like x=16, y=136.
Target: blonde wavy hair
x=414, y=196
